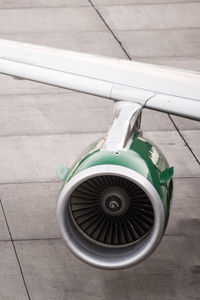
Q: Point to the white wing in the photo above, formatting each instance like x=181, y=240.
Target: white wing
x=160, y=88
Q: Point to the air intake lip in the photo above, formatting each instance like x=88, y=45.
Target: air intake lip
x=98, y=254
x=111, y=210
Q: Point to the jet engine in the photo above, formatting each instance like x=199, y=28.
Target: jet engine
x=114, y=205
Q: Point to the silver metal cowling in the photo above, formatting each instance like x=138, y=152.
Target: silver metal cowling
x=98, y=255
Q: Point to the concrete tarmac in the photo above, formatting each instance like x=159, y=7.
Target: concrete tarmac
x=43, y=127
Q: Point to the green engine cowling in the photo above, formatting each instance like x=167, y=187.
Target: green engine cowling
x=113, y=208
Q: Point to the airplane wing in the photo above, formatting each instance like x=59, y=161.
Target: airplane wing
x=159, y=88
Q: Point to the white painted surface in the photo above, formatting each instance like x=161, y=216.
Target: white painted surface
x=114, y=79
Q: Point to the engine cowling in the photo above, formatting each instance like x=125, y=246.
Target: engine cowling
x=113, y=208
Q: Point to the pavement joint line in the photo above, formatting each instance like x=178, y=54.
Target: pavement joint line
x=48, y=32
x=158, y=29
x=38, y=94
x=14, y=248
x=52, y=134
x=80, y=6
x=189, y=130
x=166, y=57
x=58, y=181
x=186, y=177
x=44, y=7
x=30, y=182
x=38, y=239
x=185, y=141
x=103, y=31
x=61, y=239
x=64, y=93
x=113, y=34
x=148, y=4
x=176, y=234
x=69, y=133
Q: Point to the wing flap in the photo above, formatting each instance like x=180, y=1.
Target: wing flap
x=176, y=106
x=56, y=77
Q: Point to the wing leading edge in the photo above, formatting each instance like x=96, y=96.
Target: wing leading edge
x=160, y=88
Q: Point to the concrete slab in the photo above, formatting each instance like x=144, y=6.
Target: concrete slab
x=50, y=20
x=54, y=114
x=155, y=121
x=65, y=113
x=176, y=152
x=95, y=42
x=4, y=234
x=163, y=16
x=187, y=63
x=165, y=138
x=12, y=86
x=31, y=209
x=185, y=209
x=36, y=158
x=12, y=286
x=137, y=2
x=51, y=272
x=170, y=43
x=192, y=137
x=42, y=3
x=185, y=124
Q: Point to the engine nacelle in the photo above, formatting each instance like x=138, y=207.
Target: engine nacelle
x=113, y=208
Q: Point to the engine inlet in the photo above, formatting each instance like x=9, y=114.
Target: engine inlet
x=111, y=210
